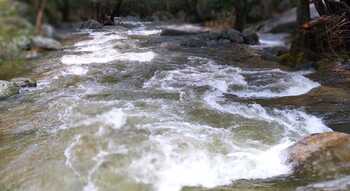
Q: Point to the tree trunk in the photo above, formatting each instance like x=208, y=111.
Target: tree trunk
x=40, y=17
x=303, y=14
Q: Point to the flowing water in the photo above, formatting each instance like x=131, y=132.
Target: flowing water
x=111, y=113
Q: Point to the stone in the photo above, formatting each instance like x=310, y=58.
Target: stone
x=180, y=30
x=49, y=31
x=24, y=82
x=322, y=155
x=46, y=43
x=91, y=24
x=233, y=35
x=251, y=38
x=8, y=89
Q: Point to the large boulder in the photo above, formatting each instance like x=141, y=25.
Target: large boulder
x=46, y=43
x=179, y=30
x=324, y=154
x=91, y=24
x=8, y=89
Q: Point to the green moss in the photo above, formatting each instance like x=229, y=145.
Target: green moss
x=292, y=59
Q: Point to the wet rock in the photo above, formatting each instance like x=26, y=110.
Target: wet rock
x=49, y=31
x=23, y=42
x=8, y=89
x=276, y=50
x=251, y=38
x=233, y=35
x=342, y=184
x=322, y=155
x=183, y=30
x=91, y=24
x=24, y=82
x=46, y=43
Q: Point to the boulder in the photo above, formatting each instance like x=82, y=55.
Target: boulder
x=8, y=89
x=180, y=30
x=91, y=24
x=322, y=155
x=233, y=35
x=251, y=38
x=24, y=82
x=46, y=43
x=49, y=31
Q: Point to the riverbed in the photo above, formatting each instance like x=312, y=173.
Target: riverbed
x=113, y=112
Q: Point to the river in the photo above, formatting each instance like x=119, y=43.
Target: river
x=113, y=113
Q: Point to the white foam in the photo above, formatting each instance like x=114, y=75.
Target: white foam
x=100, y=49
x=294, y=121
x=106, y=56
x=116, y=118
x=232, y=80
x=76, y=70
x=99, y=38
x=184, y=155
x=143, y=32
x=69, y=155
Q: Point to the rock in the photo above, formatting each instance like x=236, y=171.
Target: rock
x=276, y=50
x=49, y=31
x=91, y=24
x=46, y=43
x=8, y=89
x=24, y=82
x=23, y=42
x=179, y=30
x=342, y=184
x=251, y=38
x=322, y=155
x=233, y=35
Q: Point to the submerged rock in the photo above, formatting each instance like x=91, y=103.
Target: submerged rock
x=91, y=24
x=321, y=154
x=8, y=89
x=24, y=82
x=46, y=43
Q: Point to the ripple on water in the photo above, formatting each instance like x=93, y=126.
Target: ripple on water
x=100, y=49
x=233, y=80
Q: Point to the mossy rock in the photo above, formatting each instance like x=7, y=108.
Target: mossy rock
x=292, y=60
